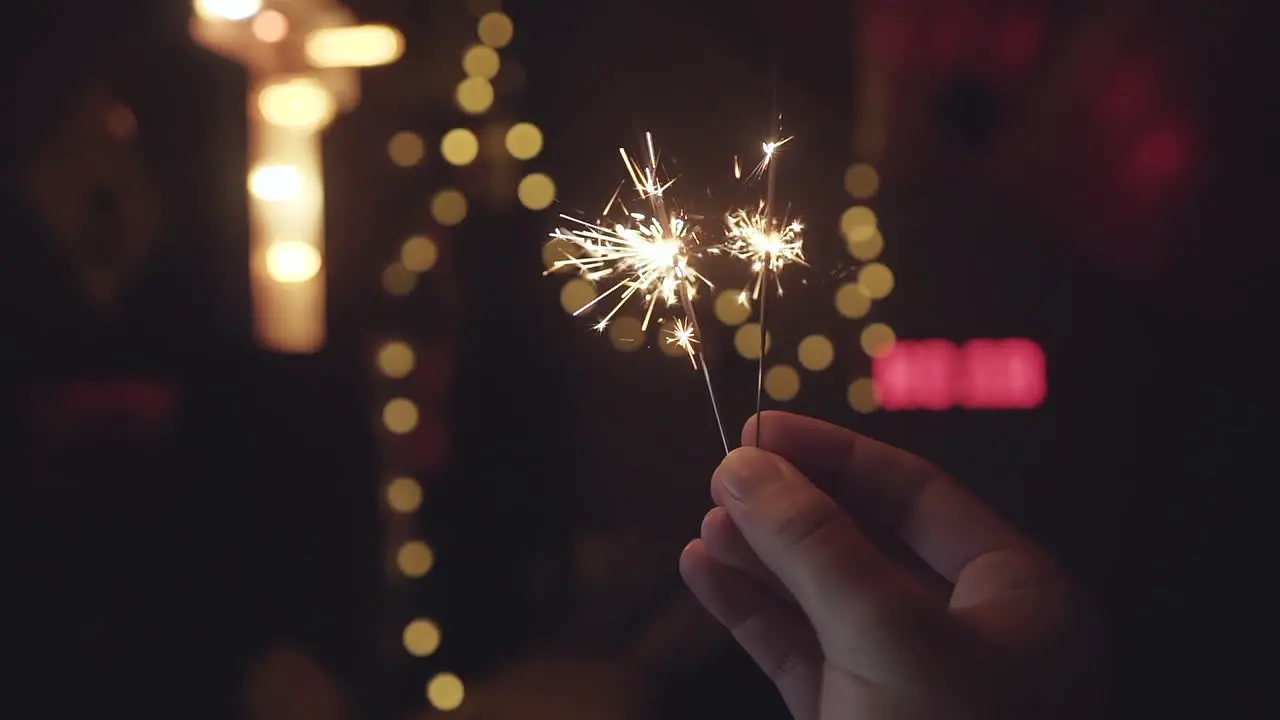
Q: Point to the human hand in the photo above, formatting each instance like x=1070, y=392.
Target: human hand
x=846, y=632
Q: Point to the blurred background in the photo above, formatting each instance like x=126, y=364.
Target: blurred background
x=335, y=447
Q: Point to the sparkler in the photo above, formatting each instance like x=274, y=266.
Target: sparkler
x=769, y=243
x=649, y=255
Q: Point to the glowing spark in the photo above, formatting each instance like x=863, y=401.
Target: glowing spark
x=770, y=148
x=737, y=168
x=683, y=335
x=767, y=244
x=646, y=254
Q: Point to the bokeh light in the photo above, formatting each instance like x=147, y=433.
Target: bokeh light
x=400, y=416
x=292, y=261
x=862, y=396
x=233, y=10
x=406, y=148
x=415, y=559
x=747, y=341
x=816, y=353
x=861, y=181
x=626, y=333
x=524, y=141
x=404, y=495
x=421, y=637
x=877, y=340
x=419, y=253
x=536, y=191
x=556, y=250
x=868, y=249
x=730, y=309
x=876, y=280
x=576, y=293
x=270, y=26
x=852, y=301
x=445, y=692
x=858, y=223
x=782, y=383
x=275, y=183
x=459, y=147
x=398, y=279
x=496, y=30
x=449, y=207
x=474, y=95
x=481, y=61
x=396, y=359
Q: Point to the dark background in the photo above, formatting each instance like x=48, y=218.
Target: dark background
x=1107, y=194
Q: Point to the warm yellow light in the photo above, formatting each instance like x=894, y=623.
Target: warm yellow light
x=536, y=191
x=299, y=103
x=861, y=181
x=481, y=61
x=270, y=26
x=398, y=279
x=876, y=280
x=474, y=95
x=852, y=302
x=445, y=691
x=862, y=396
x=747, y=341
x=627, y=335
x=524, y=141
x=449, y=207
x=496, y=30
x=878, y=340
x=459, y=147
x=292, y=261
x=782, y=383
x=816, y=353
x=395, y=359
x=730, y=308
x=555, y=250
x=406, y=148
x=576, y=294
x=404, y=495
x=858, y=223
x=275, y=183
x=419, y=253
x=415, y=559
x=869, y=249
x=400, y=415
x=421, y=637
x=232, y=10
x=359, y=46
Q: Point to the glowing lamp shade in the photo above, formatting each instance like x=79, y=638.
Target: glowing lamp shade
x=982, y=375
x=227, y=10
x=358, y=46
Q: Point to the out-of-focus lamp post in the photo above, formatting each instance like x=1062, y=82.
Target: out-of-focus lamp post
x=302, y=57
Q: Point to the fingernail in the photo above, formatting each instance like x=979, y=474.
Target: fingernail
x=746, y=471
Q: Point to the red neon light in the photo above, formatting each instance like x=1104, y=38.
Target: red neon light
x=980, y=375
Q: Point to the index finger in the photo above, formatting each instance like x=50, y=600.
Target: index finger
x=941, y=521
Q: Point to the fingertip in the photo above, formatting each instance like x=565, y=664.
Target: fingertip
x=768, y=417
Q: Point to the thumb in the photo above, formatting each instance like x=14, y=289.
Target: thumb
x=851, y=593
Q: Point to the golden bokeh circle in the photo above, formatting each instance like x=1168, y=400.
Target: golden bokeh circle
x=816, y=353
x=398, y=279
x=395, y=359
x=496, y=30
x=626, y=333
x=406, y=148
x=858, y=223
x=852, y=302
x=876, y=280
x=782, y=383
x=730, y=308
x=536, y=191
x=747, y=341
x=557, y=250
x=400, y=416
x=877, y=340
x=459, y=147
x=421, y=637
x=474, y=95
x=404, y=495
x=861, y=181
x=576, y=294
x=446, y=692
x=868, y=249
x=524, y=141
x=481, y=61
x=415, y=559
x=862, y=396
x=449, y=207
x=419, y=253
